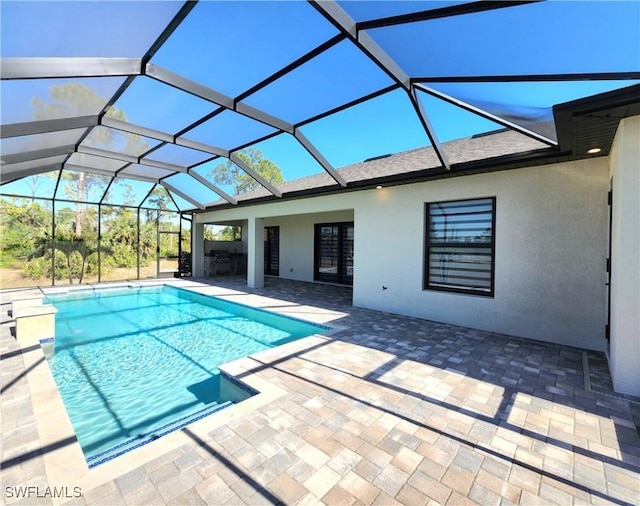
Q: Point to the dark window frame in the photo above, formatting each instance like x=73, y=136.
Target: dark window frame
x=268, y=260
x=430, y=244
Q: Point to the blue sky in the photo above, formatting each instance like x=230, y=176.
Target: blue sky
x=230, y=46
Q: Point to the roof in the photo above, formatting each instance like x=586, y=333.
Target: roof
x=484, y=147
x=146, y=93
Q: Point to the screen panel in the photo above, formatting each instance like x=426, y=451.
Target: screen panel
x=40, y=185
x=282, y=158
x=193, y=188
x=368, y=10
x=26, y=143
x=91, y=29
x=351, y=136
x=231, y=46
x=528, y=35
x=26, y=228
x=40, y=99
x=140, y=104
x=336, y=77
x=81, y=186
x=178, y=155
x=127, y=192
x=99, y=163
x=527, y=104
x=229, y=130
x=159, y=199
x=117, y=140
x=148, y=171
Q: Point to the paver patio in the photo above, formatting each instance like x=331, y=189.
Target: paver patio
x=387, y=410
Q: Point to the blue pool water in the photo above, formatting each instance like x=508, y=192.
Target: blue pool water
x=133, y=363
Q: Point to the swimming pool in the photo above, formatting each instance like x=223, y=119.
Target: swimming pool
x=136, y=363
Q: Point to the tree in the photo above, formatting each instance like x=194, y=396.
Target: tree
x=76, y=99
x=230, y=174
x=23, y=227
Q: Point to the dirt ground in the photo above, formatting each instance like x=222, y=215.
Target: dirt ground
x=12, y=277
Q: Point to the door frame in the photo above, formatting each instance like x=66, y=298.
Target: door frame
x=339, y=278
x=166, y=233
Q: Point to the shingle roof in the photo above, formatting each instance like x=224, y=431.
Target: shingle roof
x=487, y=146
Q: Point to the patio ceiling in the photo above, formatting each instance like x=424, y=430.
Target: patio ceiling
x=174, y=93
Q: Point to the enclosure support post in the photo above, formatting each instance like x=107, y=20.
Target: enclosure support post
x=255, y=253
x=197, y=249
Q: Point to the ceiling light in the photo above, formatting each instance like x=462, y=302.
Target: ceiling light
x=378, y=187
x=593, y=151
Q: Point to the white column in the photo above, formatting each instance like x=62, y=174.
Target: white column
x=255, y=253
x=624, y=351
x=197, y=249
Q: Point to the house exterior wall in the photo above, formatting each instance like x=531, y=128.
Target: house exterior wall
x=624, y=353
x=551, y=247
x=550, y=253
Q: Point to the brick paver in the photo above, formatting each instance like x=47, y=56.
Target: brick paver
x=389, y=410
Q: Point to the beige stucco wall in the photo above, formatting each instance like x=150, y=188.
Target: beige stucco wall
x=624, y=357
x=551, y=242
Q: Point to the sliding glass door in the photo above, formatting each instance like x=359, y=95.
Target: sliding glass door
x=334, y=253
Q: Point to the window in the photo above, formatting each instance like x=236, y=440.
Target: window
x=272, y=251
x=460, y=245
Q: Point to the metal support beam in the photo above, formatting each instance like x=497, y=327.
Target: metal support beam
x=238, y=161
x=17, y=173
x=531, y=78
x=384, y=61
x=341, y=20
x=161, y=136
x=46, y=126
x=213, y=187
x=137, y=178
x=162, y=165
x=25, y=156
x=200, y=146
x=334, y=13
x=182, y=83
x=130, y=159
x=32, y=164
x=486, y=115
x=107, y=154
x=180, y=194
x=123, y=126
x=263, y=117
x=92, y=170
x=426, y=123
x=443, y=12
x=50, y=68
x=313, y=151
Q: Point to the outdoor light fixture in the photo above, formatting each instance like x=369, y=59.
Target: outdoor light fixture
x=593, y=151
x=378, y=187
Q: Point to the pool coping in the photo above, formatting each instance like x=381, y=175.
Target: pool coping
x=64, y=460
